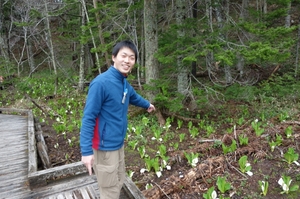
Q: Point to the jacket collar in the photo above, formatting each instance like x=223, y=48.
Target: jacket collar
x=117, y=73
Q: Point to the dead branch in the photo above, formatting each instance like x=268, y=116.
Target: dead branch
x=36, y=104
x=292, y=122
x=275, y=69
x=209, y=140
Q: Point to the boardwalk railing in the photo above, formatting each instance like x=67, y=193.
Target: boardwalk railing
x=41, y=178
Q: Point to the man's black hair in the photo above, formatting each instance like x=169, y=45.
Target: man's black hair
x=123, y=44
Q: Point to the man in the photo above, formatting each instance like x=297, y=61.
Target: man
x=104, y=122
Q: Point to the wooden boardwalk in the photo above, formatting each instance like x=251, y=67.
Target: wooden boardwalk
x=18, y=167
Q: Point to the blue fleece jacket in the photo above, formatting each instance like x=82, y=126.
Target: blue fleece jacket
x=104, y=122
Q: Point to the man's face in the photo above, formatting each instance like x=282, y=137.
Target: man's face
x=124, y=60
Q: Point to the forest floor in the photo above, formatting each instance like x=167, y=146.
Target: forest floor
x=187, y=182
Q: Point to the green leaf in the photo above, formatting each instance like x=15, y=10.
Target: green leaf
x=223, y=186
x=294, y=188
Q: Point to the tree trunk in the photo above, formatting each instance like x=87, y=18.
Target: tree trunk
x=182, y=78
x=288, y=15
x=50, y=45
x=3, y=39
x=106, y=55
x=81, y=62
x=210, y=55
x=92, y=36
x=30, y=56
x=194, y=64
x=297, y=51
x=151, y=43
x=133, y=28
x=151, y=47
x=265, y=6
x=244, y=11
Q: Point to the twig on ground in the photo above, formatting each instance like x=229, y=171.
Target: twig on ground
x=292, y=122
x=236, y=169
x=209, y=140
x=162, y=190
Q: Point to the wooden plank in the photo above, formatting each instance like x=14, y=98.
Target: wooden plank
x=13, y=110
x=9, y=191
x=12, y=158
x=63, y=185
x=7, y=174
x=14, y=144
x=35, y=178
x=15, y=138
x=17, y=180
x=13, y=152
x=13, y=169
x=93, y=192
x=14, y=192
x=69, y=195
x=17, y=128
x=132, y=189
x=84, y=193
x=32, y=154
x=61, y=182
x=60, y=196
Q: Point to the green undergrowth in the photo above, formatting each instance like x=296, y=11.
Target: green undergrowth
x=218, y=112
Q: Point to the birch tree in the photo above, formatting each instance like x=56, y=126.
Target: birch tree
x=288, y=14
x=81, y=62
x=50, y=46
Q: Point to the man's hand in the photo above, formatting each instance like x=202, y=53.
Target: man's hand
x=151, y=108
x=88, y=162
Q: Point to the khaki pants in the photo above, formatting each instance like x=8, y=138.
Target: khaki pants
x=109, y=167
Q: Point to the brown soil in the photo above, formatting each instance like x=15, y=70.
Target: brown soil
x=266, y=165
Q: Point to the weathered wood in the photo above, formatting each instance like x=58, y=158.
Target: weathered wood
x=41, y=146
x=10, y=184
x=13, y=152
x=13, y=110
x=66, y=185
x=43, y=155
x=42, y=177
x=132, y=189
x=13, y=172
x=18, y=169
x=12, y=168
x=32, y=153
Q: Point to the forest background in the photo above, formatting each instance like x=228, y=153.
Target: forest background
x=212, y=63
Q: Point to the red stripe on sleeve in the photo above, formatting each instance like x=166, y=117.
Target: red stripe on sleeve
x=96, y=138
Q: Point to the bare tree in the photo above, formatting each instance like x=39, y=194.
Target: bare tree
x=50, y=45
x=81, y=63
x=100, y=30
x=288, y=14
x=92, y=35
x=19, y=17
x=244, y=10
